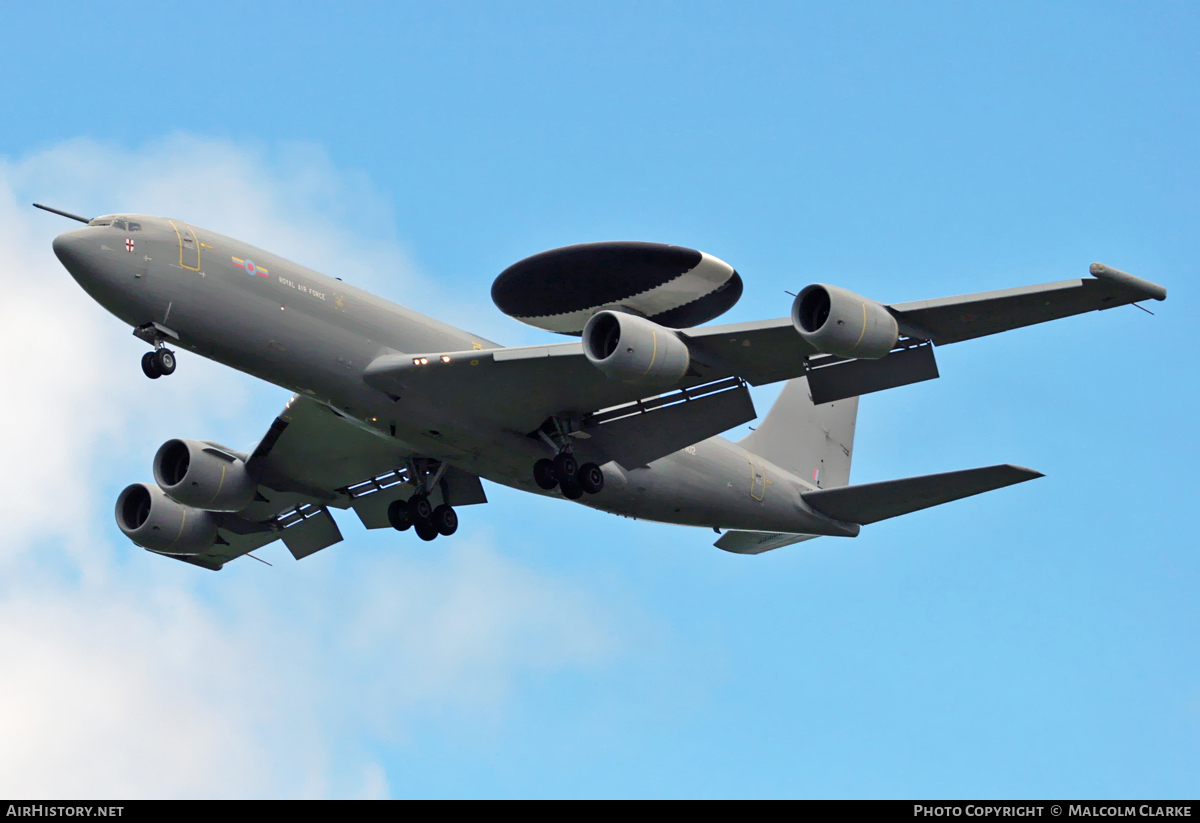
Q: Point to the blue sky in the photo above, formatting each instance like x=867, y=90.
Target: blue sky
x=1037, y=641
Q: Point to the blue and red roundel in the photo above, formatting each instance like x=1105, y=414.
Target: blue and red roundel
x=249, y=266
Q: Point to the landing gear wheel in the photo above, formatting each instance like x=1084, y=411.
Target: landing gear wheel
x=445, y=520
x=570, y=488
x=419, y=508
x=148, y=367
x=544, y=474
x=590, y=478
x=164, y=361
x=397, y=515
x=426, y=530
x=565, y=465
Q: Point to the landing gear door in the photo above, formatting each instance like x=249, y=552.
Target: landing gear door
x=189, y=245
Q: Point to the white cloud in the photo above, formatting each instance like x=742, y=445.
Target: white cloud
x=130, y=675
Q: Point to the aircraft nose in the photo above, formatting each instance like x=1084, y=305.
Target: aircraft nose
x=69, y=249
x=84, y=256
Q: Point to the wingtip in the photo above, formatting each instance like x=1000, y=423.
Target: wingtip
x=1031, y=474
x=1151, y=290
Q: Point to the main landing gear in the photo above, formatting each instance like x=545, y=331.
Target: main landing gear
x=426, y=519
x=422, y=516
x=572, y=479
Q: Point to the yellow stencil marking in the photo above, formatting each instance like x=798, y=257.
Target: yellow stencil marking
x=864, y=328
x=180, y=238
x=654, y=353
x=220, y=485
x=182, y=523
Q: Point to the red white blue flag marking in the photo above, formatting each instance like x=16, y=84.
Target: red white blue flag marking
x=249, y=266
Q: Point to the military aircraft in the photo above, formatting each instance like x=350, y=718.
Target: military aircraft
x=397, y=416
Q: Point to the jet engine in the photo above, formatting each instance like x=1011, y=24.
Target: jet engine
x=156, y=522
x=838, y=321
x=634, y=350
x=204, y=476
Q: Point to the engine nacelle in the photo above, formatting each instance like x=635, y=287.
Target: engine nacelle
x=203, y=476
x=156, y=522
x=635, y=350
x=838, y=321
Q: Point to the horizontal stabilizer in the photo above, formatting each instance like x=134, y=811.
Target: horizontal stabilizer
x=872, y=502
x=758, y=542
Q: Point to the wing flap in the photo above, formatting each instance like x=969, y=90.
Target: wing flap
x=638, y=434
x=742, y=542
x=317, y=531
x=872, y=502
x=833, y=378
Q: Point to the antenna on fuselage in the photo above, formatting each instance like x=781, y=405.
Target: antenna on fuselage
x=62, y=213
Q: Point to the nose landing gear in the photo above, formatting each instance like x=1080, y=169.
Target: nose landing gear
x=158, y=363
x=161, y=361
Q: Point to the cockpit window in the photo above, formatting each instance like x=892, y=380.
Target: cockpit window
x=116, y=223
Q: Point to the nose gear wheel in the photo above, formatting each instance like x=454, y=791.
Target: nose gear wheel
x=161, y=361
x=164, y=361
x=148, y=367
x=158, y=363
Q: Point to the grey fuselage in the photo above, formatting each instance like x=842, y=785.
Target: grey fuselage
x=314, y=335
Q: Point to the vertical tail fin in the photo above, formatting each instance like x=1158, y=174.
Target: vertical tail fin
x=812, y=442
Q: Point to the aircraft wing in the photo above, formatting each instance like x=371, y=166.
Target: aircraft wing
x=313, y=459
x=516, y=389
x=954, y=319
x=512, y=389
x=769, y=350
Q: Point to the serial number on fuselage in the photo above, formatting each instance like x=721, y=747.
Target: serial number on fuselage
x=320, y=295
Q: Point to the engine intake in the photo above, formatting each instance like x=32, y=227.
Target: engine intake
x=204, y=476
x=838, y=321
x=635, y=350
x=154, y=521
